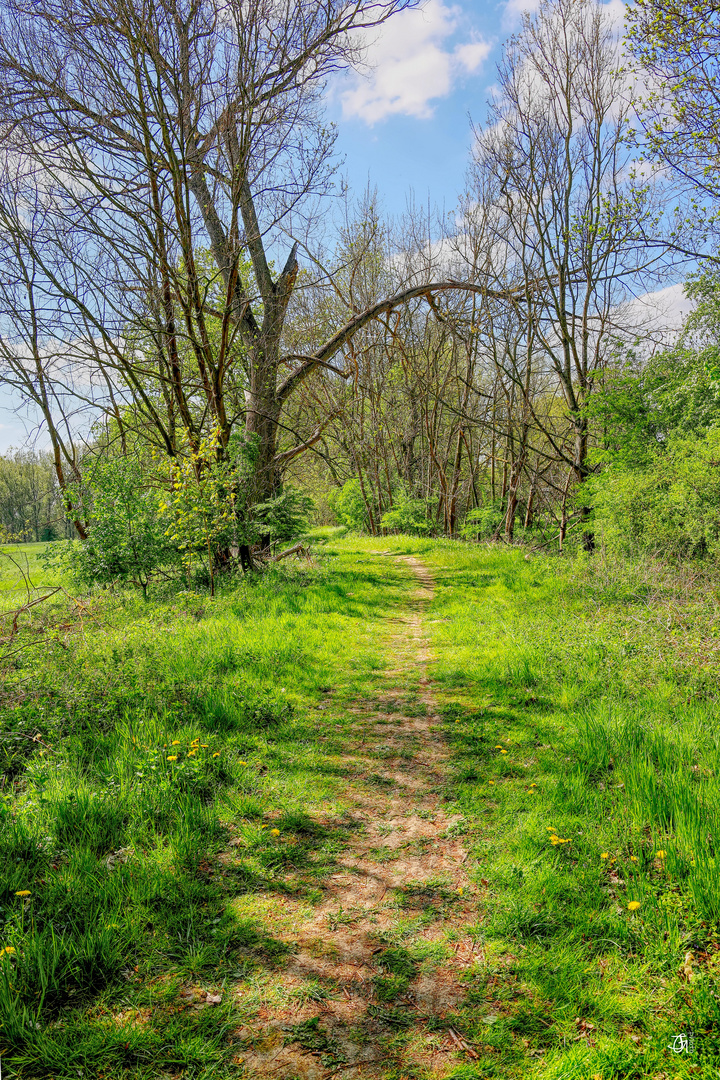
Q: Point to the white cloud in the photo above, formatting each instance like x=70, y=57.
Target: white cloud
x=412, y=64
x=664, y=309
x=472, y=55
x=515, y=9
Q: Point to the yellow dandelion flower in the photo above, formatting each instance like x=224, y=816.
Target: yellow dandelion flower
x=194, y=742
x=204, y=745
x=633, y=905
x=503, y=751
x=555, y=840
x=491, y=781
x=175, y=742
x=498, y=747
x=660, y=854
x=216, y=754
x=242, y=762
x=8, y=950
x=604, y=854
x=23, y=892
x=460, y=891
x=274, y=832
x=191, y=753
x=550, y=828
x=633, y=858
x=172, y=757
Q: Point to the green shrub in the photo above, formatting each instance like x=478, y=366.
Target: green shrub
x=408, y=515
x=670, y=507
x=348, y=505
x=127, y=539
x=483, y=522
x=285, y=517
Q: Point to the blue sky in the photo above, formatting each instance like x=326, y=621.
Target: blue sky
x=403, y=126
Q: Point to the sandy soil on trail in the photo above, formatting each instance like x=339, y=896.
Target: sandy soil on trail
x=402, y=865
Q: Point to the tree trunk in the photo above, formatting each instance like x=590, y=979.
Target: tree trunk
x=581, y=474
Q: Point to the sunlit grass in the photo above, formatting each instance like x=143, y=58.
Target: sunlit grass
x=142, y=748
x=133, y=754
x=587, y=769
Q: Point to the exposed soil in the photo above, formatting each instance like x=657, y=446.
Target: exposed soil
x=383, y=1007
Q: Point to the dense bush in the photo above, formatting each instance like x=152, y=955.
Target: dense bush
x=657, y=485
x=127, y=534
x=483, y=522
x=668, y=507
x=348, y=505
x=285, y=517
x=407, y=515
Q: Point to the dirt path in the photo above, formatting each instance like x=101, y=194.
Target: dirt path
x=384, y=950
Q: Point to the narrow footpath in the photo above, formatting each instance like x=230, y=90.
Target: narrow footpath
x=387, y=946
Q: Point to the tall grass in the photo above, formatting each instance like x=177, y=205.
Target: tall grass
x=599, y=684
x=136, y=749
x=144, y=743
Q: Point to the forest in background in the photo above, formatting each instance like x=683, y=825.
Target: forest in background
x=490, y=376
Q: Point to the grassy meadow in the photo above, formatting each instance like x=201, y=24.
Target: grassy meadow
x=169, y=768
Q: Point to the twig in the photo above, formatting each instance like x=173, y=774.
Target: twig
x=460, y=1042
x=32, y=738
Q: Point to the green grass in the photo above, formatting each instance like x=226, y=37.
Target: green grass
x=169, y=731
x=145, y=740
x=582, y=698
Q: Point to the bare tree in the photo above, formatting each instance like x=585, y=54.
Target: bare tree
x=554, y=192
x=157, y=155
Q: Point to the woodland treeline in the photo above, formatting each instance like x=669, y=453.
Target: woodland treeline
x=220, y=349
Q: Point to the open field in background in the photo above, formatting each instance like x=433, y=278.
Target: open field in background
x=142, y=882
